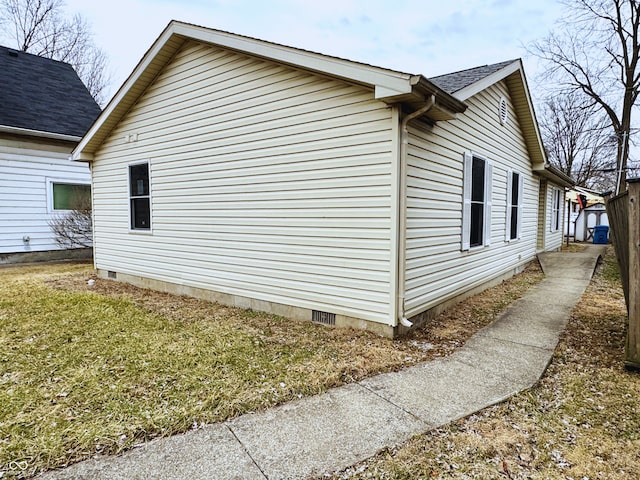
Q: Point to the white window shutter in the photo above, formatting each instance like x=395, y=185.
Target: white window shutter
x=520, y=205
x=488, y=203
x=553, y=202
x=507, y=226
x=466, y=201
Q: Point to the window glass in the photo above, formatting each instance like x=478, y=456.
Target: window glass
x=477, y=180
x=139, y=179
x=69, y=196
x=140, y=201
x=515, y=196
x=477, y=216
x=477, y=202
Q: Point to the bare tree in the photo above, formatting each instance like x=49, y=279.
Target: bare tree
x=578, y=141
x=595, y=51
x=40, y=27
x=74, y=229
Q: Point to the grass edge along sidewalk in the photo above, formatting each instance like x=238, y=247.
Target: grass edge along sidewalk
x=85, y=371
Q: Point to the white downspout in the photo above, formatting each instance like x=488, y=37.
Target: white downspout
x=402, y=218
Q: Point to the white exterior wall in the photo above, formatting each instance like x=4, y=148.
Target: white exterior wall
x=266, y=182
x=26, y=173
x=553, y=238
x=436, y=267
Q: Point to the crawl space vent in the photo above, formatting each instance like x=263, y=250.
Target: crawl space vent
x=111, y=274
x=503, y=111
x=324, y=318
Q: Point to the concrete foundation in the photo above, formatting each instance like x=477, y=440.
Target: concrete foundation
x=46, y=256
x=304, y=314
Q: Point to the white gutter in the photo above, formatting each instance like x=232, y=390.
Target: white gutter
x=38, y=133
x=402, y=217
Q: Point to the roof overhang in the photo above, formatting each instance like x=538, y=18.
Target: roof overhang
x=554, y=174
x=389, y=86
x=38, y=133
x=515, y=78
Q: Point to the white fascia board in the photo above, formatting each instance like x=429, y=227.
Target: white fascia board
x=386, y=82
x=486, y=82
x=122, y=92
x=38, y=133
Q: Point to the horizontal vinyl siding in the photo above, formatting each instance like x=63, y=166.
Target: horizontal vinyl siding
x=436, y=268
x=266, y=182
x=24, y=175
x=553, y=239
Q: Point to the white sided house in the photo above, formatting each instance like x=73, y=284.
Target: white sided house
x=44, y=111
x=317, y=188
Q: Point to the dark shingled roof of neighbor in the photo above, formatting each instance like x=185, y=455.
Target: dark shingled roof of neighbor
x=38, y=93
x=453, y=82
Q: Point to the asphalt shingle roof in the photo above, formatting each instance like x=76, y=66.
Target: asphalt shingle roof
x=41, y=94
x=453, y=82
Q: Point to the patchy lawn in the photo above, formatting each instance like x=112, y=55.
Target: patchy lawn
x=582, y=421
x=87, y=370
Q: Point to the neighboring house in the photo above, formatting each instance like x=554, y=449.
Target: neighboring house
x=44, y=111
x=314, y=187
x=579, y=198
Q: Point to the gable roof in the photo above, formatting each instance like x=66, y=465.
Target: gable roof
x=456, y=81
x=43, y=97
x=448, y=92
x=390, y=86
x=467, y=83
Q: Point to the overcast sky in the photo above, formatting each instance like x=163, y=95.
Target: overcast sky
x=429, y=37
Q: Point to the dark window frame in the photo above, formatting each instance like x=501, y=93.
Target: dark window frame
x=514, y=204
x=477, y=201
x=139, y=186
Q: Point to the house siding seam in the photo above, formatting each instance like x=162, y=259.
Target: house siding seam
x=24, y=193
x=267, y=182
x=437, y=268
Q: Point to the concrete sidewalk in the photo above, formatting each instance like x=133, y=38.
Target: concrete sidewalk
x=332, y=431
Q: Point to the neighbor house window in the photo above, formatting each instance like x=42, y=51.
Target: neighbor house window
x=139, y=196
x=70, y=196
x=513, y=223
x=556, y=208
x=476, y=214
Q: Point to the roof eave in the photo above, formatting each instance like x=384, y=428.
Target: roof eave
x=389, y=86
x=554, y=174
x=474, y=88
x=513, y=74
x=38, y=133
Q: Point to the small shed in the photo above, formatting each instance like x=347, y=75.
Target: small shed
x=589, y=218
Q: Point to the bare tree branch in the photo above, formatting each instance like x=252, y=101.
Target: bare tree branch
x=39, y=27
x=74, y=229
x=595, y=50
x=577, y=140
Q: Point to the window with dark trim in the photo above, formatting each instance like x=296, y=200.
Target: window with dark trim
x=139, y=196
x=477, y=202
x=476, y=215
x=514, y=205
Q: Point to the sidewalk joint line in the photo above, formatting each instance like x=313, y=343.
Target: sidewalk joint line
x=246, y=450
x=428, y=425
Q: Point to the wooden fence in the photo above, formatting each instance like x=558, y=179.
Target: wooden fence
x=624, y=220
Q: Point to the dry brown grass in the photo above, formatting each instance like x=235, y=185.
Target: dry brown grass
x=86, y=370
x=364, y=353
x=582, y=421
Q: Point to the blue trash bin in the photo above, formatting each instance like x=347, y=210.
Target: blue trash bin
x=601, y=234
